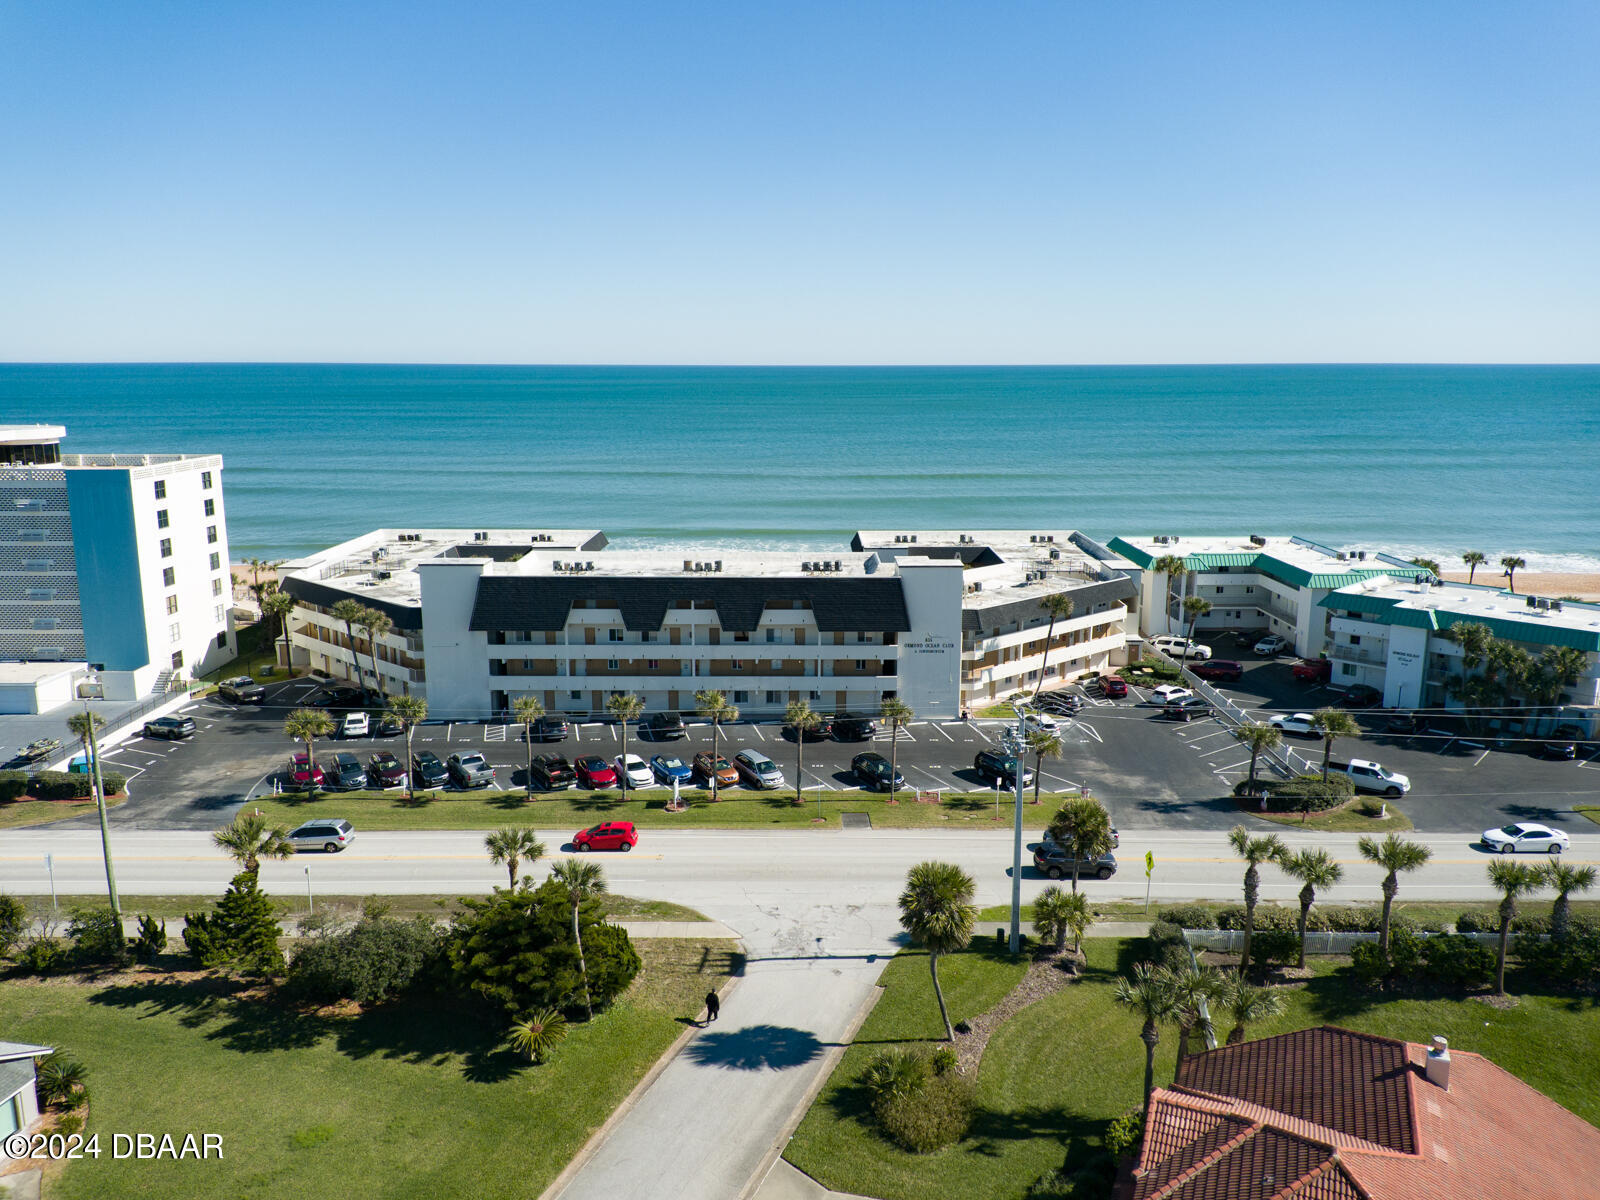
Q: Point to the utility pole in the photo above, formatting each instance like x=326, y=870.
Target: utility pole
x=89, y=719
x=1016, y=844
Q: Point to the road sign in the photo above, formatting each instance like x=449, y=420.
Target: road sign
x=1149, y=862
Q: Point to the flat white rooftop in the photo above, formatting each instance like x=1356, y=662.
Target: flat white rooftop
x=1296, y=551
x=31, y=435
x=34, y=672
x=1475, y=600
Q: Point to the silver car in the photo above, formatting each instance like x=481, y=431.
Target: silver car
x=757, y=770
x=325, y=834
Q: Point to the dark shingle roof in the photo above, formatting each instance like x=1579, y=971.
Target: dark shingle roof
x=536, y=602
x=1354, y=1083
x=404, y=616
x=1090, y=598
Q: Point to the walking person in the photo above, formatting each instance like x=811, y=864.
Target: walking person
x=713, y=1007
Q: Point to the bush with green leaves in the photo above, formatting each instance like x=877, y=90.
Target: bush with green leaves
x=1528, y=923
x=1188, y=916
x=891, y=1073
x=13, y=920
x=43, y=956
x=943, y=1059
x=1125, y=1133
x=13, y=786
x=538, y=1035
x=1458, y=963
x=1268, y=916
x=240, y=935
x=371, y=963
x=935, y=1115
x=73, y=785
x=62, y=1078
x=1167, y=946
x=1571, y=963
x=1310, y=793
x=1472, y=921
x=97, y=938
x=1274, y=947
x=151, y=939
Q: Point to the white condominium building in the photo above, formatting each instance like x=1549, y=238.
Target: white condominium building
x=114, y=563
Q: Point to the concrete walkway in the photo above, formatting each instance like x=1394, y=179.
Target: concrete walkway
x=290, y=927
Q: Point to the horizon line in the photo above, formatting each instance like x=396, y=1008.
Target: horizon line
x=785, y=366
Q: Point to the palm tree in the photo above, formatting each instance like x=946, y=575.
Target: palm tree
x=1060, y=606
x=1255, y=850
x=1247, y=1004
x=84, y=726
x=526, y=710
x=714, y=706
x=1258, y=736
x=1332, y=723
x=1149, y=993
x=1176, y=570
x=799, y=717
x=350, y=612
x=307, y=725
x=897, y=713
x=374, y=624
x=249, y=839
x=1057, y=913
x=1394, y=855
x=1511, y=880
x=583, y=880
x=1194, y=607
x=936, y=909
x=1083, y=828
x=1428, y=565
x=538, y=1035
x=1512, y=563
x=1042, y=744
x=1195, y=989
x=278, y=606
x=508, y=847
x=1559, y=667
x=1474, y=559
x=624, y=707
x=410, y=711
x=1565, y=880
x=1314, y=869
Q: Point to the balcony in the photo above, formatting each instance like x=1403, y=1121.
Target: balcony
x=1375, y=656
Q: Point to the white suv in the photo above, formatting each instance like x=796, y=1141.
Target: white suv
x=1173, y=645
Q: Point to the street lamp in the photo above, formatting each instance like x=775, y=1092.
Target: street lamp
x=1016, y=838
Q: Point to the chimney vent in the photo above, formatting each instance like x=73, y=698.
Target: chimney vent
x=1438, y=1068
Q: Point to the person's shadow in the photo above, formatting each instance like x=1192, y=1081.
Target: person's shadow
x=755, y=1048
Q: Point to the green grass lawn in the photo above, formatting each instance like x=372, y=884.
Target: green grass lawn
x=409, y=1102
x=1591, y=811
x=399, y=906
x=647, y=809
x=1429, y=911
x=1055, y=1075
x=40, y=812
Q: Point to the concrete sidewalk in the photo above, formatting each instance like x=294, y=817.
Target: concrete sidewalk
x=290, y=927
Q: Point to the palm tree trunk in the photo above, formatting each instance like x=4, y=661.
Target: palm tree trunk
x=944, y=1013
x=1150, y=1035
x=1252, y=888
x=511, y=869
x=1044, y=663
x=1327, y=751
x=1061, y=936
x=583, y=967
x=411, y=783
x=799, y=764
x=1038, y=771
x=622, y=780
x=1253, y=753
x=1390, y=886
x=1074, y=868
x=1305, y=912
x=1183, y=1040
x=1560, y=918
x=894, y=754
x=1236, y=1034
x=1500, y=966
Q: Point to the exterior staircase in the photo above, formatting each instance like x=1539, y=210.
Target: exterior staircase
x=163, y=683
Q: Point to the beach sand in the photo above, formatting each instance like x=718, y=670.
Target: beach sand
x=1537, y=583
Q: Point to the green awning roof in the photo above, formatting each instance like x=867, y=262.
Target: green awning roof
x=1284, y=572
x=1532, y=630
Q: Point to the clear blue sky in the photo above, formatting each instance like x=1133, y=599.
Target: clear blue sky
x=840, y=183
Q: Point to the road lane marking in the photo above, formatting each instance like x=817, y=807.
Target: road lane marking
x=944, y=731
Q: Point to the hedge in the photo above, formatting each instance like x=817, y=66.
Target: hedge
x=13, y=785
x=70, y=785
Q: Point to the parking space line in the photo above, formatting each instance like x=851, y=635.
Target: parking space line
x=944, y=731
x=1057, y=779
x=761, y=736
x=1480, y=758
x=1447, y=745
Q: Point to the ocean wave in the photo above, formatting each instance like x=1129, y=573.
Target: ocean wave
x=1490, y=570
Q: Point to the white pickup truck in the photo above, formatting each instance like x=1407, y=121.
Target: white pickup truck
x=1372, y=777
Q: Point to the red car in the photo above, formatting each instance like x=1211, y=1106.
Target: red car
x=303, y=771
x=1220, y=668
x=1114, y=687
x=1313, y=670
x=594, y=772
x=613, y=835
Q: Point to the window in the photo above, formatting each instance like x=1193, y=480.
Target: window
x=162, y=521
x=172, y=605
x=741, y=637
x=177, y=660
x=216, y=561
x=772, y=635
x=1347, y=669
x=211, y=507
x=168, y=577
x=217, y=614
x=736, y=665
x=1355, y=640
x=741, y=697
x=574, y=695
x=861, y=636
x=216, y=587
x=611, y=664
x=774, y=697
x=161, y=489
x=166, y=547
x=205, y=479
x=222, y=639
x=861, y=664
x=211, y=535
x=653, y=664
x=615, y=634
x=527, y=664
x=1220, y=591
x=174, y=632
x=777, y=664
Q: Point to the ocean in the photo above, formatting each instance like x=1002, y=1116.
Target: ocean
x=1414, y=459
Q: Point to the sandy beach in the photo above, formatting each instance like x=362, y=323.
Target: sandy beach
x=1536, y=583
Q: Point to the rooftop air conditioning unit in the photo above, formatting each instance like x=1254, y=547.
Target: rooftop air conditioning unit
x=1049, y=537
x=1533, y=602
x=1257, y=540
x=1555, y=606
x=913, y=537
x=805, y=566
x=381, y=574
x=1033, y=537
x=838, y=564
x=977, y=587
x=719, y=564
x=1054, y=555
x=1362, y=555
x=589, y=566
x=1544, y=605
x=688, y=564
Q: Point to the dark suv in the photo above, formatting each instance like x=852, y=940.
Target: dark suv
x=553, y=773
x=665, y=727
x=854, y=729
x=875, y=773
x=550, y=729
x=1053, y=860
x=1186, y=708
x=242, y=690
x=820, y=732
x=171, y=728
x=344, y=773
x=427, y=771
x=993, y=766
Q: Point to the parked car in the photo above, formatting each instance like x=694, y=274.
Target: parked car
x=1313, y=670
x=757, y=770
x=1223, y=670
x=303, y=772
x=550, y=729
x=632, y=771
x=327, y=834
x=854, y=729
x=388, y=725
x=1059, y=702
x=705, y=767
x=1525, y=835
x=1039, y=722
x=876, y=774
x=610, y=835
x=241, y=689
x=170, y=728
x=994, y=767
x=1405, y=724
x=1273, y=644
x=337, y=695
x=668, y=767
x=594, y=772
x=1556, y=749
x=1360, y=695
x=355, y=725
x=1369, y=776
x=427, y=771
x=1168, y=692
x=470, y=770
x=820, y=732
x=345, y=773
x=384, y=770
x=1295, y=723
x=1186, y=709
x=1174, y=646
x=553, y=773
x=1055, y=861
x=1113, y=687
x=665, y=727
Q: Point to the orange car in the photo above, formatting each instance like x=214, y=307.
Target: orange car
x=726, y=775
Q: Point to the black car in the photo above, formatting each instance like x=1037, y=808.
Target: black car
x=427, y=771
x=665, y=727
x=552, y=773
x=1052, y=860
x=385, y=770
x=1186, y=708
x=338, y=696
x=242, y=690
x=1059, y=702
x=549, y=729
x=1557, y=750
x=1404, y=724
x=170, y=728
x=344, y=773
x=1361, y=695
x=820, y=732
x=854, y=729
x=876, y=774
x=993, y=766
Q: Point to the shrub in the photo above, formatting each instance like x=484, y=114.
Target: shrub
x=1368, y=964
x=13, y=786
x=151, y=940
x=1188, y=916
x=892, y=1073
x=13, y=920
x=69, y=1123
x=943, y=1059
x=1573, y=962
x=97, y=937
x=242, y=934
x=1529, y=923
x=537, y=1036
x=371, y=963
x=1452, y=961
x=1167, y=946
x=42, y=956
x=1268, y=916
x=60, y=1077
x=933, y=1116
x=73, y=785
x=1310, y=793
x=1279, y=947
x=1347, y=918
x=1125, y=1133
x=1476, y=922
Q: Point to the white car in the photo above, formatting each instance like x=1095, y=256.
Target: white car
x=1172, y=645
x=1168, y=692
x=1369, y=776
x=1525, y=835
x=1273, y=643
x=1299, y=723
x=356, y=724
x=633, y=771
x=1040, y=722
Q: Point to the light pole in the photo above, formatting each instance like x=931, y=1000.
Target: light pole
x=89, y=718
x=1016, y=842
